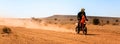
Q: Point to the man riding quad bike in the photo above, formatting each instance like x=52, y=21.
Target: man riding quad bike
x=81, y=22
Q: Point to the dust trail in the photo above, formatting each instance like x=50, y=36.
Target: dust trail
x=28, y=23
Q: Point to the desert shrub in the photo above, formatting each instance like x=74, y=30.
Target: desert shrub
x=71, y=19
x=117, y=20
x=108, y=22
x=39, y=20
x=96, y=21
x=50, y=22
x=55, y=19
x=55, y=23
x=33, y=17
x=115, y=24
x=6, y=30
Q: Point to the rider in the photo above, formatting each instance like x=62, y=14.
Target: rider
x=81, y=15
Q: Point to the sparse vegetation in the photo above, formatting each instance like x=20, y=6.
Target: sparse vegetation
x=108, y=22
x=115, y=24
x=55, y=23
x=117, y=20
x=71, y=19
x=6, y=30
x=39, y=20
x=33, y=17
x=55, y=19
x=96, y=21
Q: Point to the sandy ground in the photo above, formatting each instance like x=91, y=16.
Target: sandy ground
x=26, y=31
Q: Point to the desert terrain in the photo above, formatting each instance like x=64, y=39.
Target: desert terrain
x=28, y=31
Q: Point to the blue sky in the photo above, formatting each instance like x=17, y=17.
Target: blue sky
x=45, y=8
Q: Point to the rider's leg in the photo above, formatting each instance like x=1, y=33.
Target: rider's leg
x=78, y=24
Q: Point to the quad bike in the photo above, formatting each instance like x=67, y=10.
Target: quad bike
x=81, y=28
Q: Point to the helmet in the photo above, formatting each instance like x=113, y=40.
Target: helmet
x=82, y=8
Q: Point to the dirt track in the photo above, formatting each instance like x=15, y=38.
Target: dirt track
x=40, y=36
x=36, y=36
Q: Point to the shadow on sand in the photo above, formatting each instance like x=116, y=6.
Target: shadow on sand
x=89, y=34
x=92, y=34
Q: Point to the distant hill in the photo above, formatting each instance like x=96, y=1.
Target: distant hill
x=73, y=19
